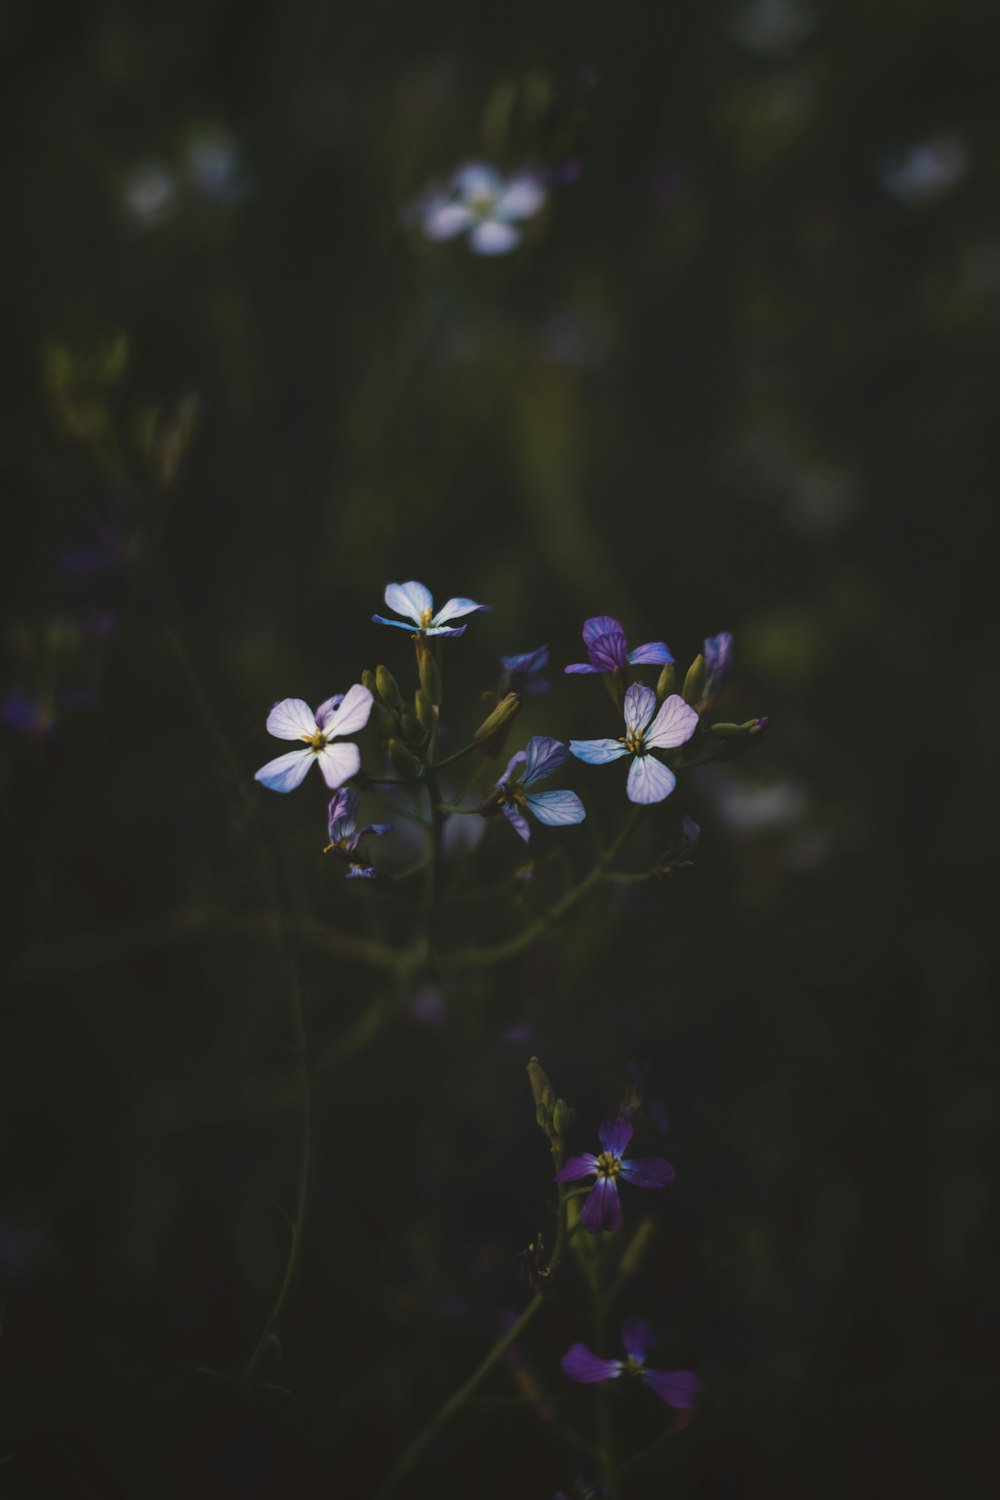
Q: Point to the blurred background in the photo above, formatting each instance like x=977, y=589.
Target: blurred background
x=740, y=373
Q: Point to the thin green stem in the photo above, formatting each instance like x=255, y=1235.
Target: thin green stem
x=450, y=760
x=446, y=807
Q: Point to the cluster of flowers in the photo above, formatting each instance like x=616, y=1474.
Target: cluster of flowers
x=655, y=722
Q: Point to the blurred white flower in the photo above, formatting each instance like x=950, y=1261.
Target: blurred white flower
x=757, y=807
x=773, y=25
x=924, y=170
x=149, y=195
x=483, y=204
x=215, y=169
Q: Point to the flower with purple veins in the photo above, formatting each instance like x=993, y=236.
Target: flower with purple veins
x=718, y=653
x=649, y=780
x=292, y=719
x=417, y=603
x=483, y=204
x=680, y=1388
x=602, y=1208
x=523, y=674
x=345, y=835
x=539, y=759
x=607, y=649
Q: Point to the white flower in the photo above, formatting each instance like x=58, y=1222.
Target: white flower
x=483, y=204
x=292, y=719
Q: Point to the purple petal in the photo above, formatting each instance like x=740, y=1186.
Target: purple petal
x=517, y=821
x=409, y=599
x=648, y=1171
x=361, y=872
x=286, y=772
x=648, y=780
x=443, y=220
x=291, y=719
x=351, y=713
x=579, y=1363
x=637, y=1338
x=456, y=608
x=640, y=706
x=718, y=653
x=597, y=752
x=376, y=830
x=556, y=809
x=527, y=664
x=544, y=755
x=674, y=725
x=381, y=620
x=577, y=1166
x=653, y=653
x=580, y=667
x=605, y=642
x=615, y=1135
x=327, y=709
x=602, y=1208
x=491, y=237
x=339, y=762
x=512, y=765
x=679, y=1388
x=342, y=814
x=454, y=630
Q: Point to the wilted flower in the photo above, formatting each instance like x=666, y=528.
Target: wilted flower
x=345, y=835
x=602, y=1209
x=649, y=780
x=292, y=719
x=607, y=648
x=523, y=674
x=417, y=603
x=680, y=1388
x=482, y=203
x=539, y=759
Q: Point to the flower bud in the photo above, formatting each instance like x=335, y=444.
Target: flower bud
x=368, y=681
x=665, y=683
x=694, y=682
x=426, y=712
x=493, y=730
x=388, y=688
x=409, y=727
x=430, y=677
x=559, y=1117
x=728, y=731
x=539, y=1081
x=385, y=722
x=405, y=762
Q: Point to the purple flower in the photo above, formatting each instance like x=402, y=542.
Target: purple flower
x=292, y=719
x=345, y=835
x=484, y=205
x=417, y=604
x=607, y=648
x=680, y=1388
x=539, y=759
x=718, y=652
x=602, y=1209
x=522, y=674
x=649, y=780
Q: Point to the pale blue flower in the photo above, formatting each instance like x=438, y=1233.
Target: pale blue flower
x=292, y=719
x=417, y=603
x=539, y=759
x=483, y=204
x=649, y=780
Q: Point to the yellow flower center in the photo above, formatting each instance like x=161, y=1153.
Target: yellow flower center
x=426, y=616
x=316, y=741
x=633, y=740
x=608, y=1165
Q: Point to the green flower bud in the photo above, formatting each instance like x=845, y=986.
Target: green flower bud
x=368, y=681
x=409, y=728
x=665, y=682
x=430, y=677
x=539, y=1081
x=405, y=761
x=388, y=688
x=559, y=1117
x=426, y=712
x=385, y=722
x=694, y=682
x=728, y=731
x=493, y=730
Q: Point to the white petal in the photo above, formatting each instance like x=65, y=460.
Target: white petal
x=339, y=763
x=477, y=180
x=444, y=221
x=640, y=705
x=648, y=780
x=674, y=724
x=523, y=196
x=285, y=773
x=493, y=238
x=291, y=719
x=409, y=599
x=456, y=608
x=353, y=712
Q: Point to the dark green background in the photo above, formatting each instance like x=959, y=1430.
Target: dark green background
x=730, y=382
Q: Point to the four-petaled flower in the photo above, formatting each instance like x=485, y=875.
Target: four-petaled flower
x=345, y=835
x=292, y=719
x=718, y=652
x=607, y=649
x=602, y=1209
x=417, y=604
x=483, y=204
x=537, y=760
x=649, y=780
x=680, y=1388
x=523, y=674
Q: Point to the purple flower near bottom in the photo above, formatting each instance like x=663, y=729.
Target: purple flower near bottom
x=680, y=1388
x=345, y=835
x=602, y=1209
x=607, y=649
